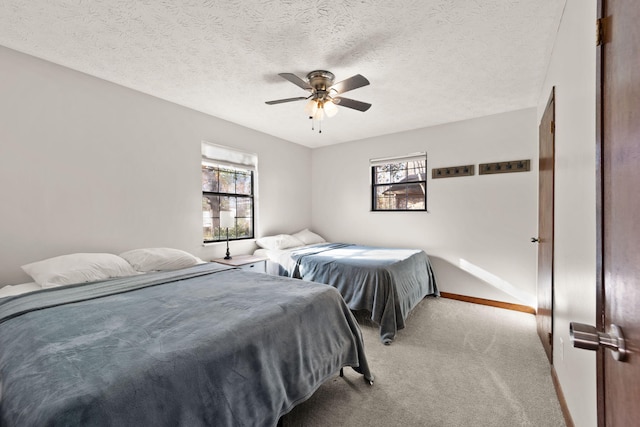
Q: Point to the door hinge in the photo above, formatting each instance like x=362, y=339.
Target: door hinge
x=553, y=126
x=598, y=32
x=550, y=335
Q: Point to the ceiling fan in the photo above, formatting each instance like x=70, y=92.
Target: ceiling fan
x=325, y=95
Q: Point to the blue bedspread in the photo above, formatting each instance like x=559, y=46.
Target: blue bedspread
x=201, y=346
x=387, y=282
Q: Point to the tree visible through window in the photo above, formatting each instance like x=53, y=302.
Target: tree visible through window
x=226, y=188
x=399, y=185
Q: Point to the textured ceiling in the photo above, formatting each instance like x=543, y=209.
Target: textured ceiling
x=428, y=61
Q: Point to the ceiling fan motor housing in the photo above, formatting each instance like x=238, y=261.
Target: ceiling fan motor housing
x=321, y=81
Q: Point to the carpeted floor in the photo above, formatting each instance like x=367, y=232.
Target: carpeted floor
x=455, y=364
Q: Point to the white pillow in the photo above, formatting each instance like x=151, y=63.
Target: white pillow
x=308, y=237
x=77, y=268
x=159, y=259
x=281, y=241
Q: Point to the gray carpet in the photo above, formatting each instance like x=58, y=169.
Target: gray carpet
x=455, y=364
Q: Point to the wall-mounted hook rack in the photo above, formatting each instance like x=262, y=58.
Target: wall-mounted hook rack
x=450, y=172
x=505, y=167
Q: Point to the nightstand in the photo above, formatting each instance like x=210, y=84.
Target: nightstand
x=245, y=262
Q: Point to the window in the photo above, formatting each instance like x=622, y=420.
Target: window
x=399, y=183
x=226, y=187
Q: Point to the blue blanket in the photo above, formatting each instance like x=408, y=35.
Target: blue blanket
x=201, y=346
x=387, y=282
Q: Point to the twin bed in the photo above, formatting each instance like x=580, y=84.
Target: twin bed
x=387, y=283
x=205, y=344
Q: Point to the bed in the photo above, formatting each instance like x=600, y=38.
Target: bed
x=202, y=345
x=385, y=282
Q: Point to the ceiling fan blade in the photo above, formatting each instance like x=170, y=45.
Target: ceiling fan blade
x=352, y=103
x=351, y=83
x=296, y=80
x=280, y=101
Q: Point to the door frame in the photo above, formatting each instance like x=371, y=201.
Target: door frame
x=600, y=320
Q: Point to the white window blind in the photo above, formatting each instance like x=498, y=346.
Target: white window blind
x=413, y=157
x=224, y=156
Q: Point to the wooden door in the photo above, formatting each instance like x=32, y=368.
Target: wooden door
x=618, y=132
x=544, y=314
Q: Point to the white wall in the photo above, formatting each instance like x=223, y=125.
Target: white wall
x=89, y=166
x=486, y=220
x=572, y=72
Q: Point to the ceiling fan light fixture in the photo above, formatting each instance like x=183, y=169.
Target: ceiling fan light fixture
x=319, y=114
x=330, y=108
x=311, y=107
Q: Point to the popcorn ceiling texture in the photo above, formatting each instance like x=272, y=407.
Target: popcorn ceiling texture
x=428, y=61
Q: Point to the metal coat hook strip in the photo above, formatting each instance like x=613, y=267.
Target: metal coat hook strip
x=505, y=167
x=452, y=171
